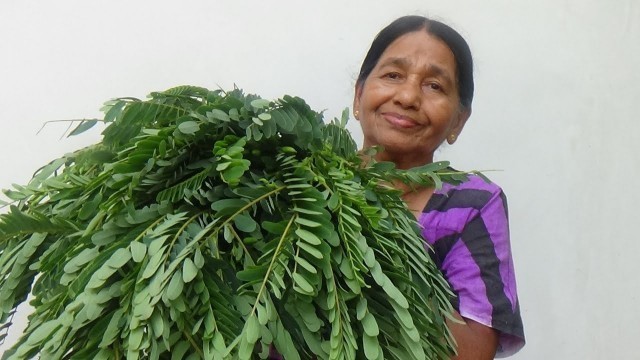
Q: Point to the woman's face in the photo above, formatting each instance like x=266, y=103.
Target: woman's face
x=409, y=104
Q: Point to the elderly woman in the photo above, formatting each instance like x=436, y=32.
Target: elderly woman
x=414, y=91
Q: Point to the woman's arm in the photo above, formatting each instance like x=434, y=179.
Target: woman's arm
x=475, y=341
x=467, y=227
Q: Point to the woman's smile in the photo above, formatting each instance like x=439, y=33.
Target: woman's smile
x=400, y=121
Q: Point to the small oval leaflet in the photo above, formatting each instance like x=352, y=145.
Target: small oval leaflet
x=218, y=114
x=371, y=347
x=306, y=265
x=189, y=127
x=174, y=289
x=260, y=103
x=245, y=223
x=119, y=258
x=302, y=283
x=189, y=270
x=138, y=251
x=253, y=329
x=370, y=325
x=308, y=236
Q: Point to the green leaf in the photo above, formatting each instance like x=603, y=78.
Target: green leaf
x=89, y=208
x=283, y=120
x=333, y=201
x=119, y=258
x=308, y=236
x=198, y=259
x=113, y=109
x=83, y=126
x=138, y=251
x=179, y=350
x=307, y=222
x=274, y=228
x=302, y=283
x=80, y=260
x=227, y=206
x=175, y=286
x=306, y=265
x=233, y=173
x=223, y=166
x=189, y=270
x=218, y=114
x=157, y=323
x=260, y=103
x=252, y=273
x=43, y=332
x=112, y=330
x=264, y=116
x=361, y=308
x=371, y=347
x=284, y=343
x=310, y=250
x=46, y=171
x=383, y=166
x=154, y=262
x=17, y=222
x=245, y=223
x=189, y=127
x=370, y=325
x=135, y=339
x=184, y=188
x=252, y=329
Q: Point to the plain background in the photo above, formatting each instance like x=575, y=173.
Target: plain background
x=557, y=88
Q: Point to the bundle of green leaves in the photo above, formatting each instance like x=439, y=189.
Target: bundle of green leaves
x=214, y=225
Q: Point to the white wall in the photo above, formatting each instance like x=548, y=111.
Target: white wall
x=557, y=88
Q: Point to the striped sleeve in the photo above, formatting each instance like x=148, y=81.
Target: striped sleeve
x=468, y=229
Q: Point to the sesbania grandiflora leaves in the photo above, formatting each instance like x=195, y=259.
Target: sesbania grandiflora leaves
x=214, y=225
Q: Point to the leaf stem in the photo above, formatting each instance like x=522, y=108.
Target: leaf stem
x=156, y=222
x=266, y=278
x=295, y=263
x=175, y=238
x=273, y=260
x=244, y=248
x=250, y=204
x=193, y=343
x=67, y=120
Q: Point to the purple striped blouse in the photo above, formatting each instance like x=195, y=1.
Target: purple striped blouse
x=467, y=227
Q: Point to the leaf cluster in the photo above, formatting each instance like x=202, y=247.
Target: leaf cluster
x=214, y=225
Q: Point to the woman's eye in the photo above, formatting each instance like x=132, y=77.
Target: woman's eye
x=392, y=75
x=434, y=86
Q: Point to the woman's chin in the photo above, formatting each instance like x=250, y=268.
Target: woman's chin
x=405, y=157
x=402, y=147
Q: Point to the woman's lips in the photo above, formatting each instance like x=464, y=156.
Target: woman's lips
x=400, y=120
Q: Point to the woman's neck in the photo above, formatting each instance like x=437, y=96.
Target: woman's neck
x=404, y=161
x=416, y=198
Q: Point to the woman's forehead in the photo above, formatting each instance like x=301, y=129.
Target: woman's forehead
x=419, y=49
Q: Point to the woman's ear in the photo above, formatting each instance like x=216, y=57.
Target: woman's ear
x=460, y=120
x=356, y=100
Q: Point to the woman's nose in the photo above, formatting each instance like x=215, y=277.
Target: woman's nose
x=408, y=95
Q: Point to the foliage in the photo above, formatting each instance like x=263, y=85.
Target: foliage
x=211, y=224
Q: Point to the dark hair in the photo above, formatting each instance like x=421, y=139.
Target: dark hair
x=407, y=24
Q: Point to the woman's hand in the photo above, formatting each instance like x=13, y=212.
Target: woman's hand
x=475, y=341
